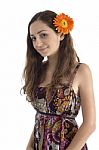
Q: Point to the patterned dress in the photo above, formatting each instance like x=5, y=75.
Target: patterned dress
x=55, y=124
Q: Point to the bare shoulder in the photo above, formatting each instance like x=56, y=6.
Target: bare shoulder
x=86, y=84
x=87, y=94
x=84, y=73
x=84, y=68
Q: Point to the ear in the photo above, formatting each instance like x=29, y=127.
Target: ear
x=61, y=36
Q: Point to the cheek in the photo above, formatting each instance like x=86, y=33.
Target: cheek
x=56, y=43
x=33, y=44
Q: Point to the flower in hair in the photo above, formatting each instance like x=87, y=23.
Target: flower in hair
x=63, y=23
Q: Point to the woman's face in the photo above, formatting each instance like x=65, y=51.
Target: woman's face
x=44, y=39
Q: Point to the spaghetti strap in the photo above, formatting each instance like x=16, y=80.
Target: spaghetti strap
x=56, y=115
x=74, y=73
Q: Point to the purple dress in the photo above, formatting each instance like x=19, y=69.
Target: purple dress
x=55, y=124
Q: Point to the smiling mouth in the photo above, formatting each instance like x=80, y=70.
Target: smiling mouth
x=42, y=49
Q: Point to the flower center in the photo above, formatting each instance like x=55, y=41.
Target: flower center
x=64, y=23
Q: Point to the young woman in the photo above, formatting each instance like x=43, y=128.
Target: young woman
x=58, y=86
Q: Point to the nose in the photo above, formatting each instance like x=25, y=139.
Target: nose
x=38, y=42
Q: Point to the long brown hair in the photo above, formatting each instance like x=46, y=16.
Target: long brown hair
x=34, y=69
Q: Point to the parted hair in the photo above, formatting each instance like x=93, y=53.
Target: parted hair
x=34, y=71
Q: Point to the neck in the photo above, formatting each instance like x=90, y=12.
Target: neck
x=52, y=61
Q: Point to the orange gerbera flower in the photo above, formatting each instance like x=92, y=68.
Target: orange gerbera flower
x=63, y=23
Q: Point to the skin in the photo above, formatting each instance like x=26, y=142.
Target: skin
x=42, y=36
x=88, y=125
x=48, y=46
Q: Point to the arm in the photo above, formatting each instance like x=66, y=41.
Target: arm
x=30, y=143
x=88, y=108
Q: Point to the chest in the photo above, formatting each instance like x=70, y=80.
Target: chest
x=63, y=100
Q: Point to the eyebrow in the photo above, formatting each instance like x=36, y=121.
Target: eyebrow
x=38, y=32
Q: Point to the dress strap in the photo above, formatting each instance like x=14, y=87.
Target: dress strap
x=74, y=73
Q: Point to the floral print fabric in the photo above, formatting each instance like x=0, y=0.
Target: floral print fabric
x=55, y=124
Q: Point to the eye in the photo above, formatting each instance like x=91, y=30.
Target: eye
x=43, y=35
x=33, y=38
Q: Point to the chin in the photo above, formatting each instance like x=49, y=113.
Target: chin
x=43, y=55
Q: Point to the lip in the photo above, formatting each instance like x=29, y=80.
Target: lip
x=42, y=49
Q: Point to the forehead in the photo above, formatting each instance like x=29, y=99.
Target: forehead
x=38, y=26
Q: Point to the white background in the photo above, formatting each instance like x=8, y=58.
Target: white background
x=16, y=114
